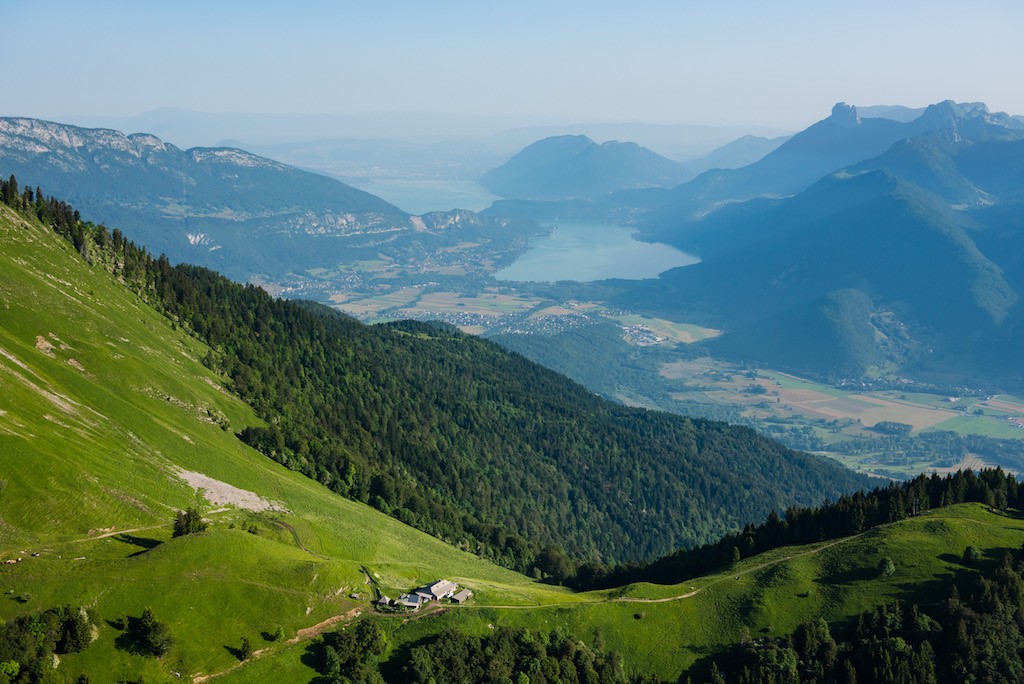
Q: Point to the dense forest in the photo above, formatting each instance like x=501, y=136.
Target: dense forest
x=352, y=656
x=974, y=635
x=452, y=434
x=850, y=514
x=31, y=644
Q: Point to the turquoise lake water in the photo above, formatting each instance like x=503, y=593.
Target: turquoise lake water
x=586, y=252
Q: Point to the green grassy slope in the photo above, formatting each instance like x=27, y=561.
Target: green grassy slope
x=91, y=448
x=663, y=630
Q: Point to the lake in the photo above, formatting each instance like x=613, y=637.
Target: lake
x=422, y=196
x=587, y=251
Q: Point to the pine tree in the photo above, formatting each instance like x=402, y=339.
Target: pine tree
x=188, y=521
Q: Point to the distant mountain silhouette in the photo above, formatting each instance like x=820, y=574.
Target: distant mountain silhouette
x=912, y=258
x=843, y=139
x=574, y=166
x=894, y=112
x=733, y=155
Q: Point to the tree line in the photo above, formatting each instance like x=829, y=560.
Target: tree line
x=973, y=634
x=355, y=656
x=28, y=644
x=849, y=515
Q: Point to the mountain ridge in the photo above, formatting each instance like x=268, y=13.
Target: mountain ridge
x=228, y=209
x=574, y=166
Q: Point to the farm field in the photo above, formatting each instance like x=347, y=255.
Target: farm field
x=988, y=426
x=829, y=418
x=373, y=305
x=484, y=304
x=684, y=333
x=786, y=395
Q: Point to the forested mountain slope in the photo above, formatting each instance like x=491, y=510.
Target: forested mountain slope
x=458, y=437
x=109, y=423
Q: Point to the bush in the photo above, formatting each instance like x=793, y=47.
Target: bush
x=245, y=652
x=153, y=635
x=972, y=555
x=886, y=567
x=188, y=521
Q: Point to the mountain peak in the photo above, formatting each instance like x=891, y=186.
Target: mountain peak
x=574, y=166
x=845, y=115
x=949, y=112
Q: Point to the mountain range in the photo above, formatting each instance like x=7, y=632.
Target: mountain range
x=889, y=261
x=225, y=208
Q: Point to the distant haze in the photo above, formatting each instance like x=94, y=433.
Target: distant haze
x=780, y=65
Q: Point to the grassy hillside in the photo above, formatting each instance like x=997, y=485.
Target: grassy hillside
x=665, y=630
x=97, y=415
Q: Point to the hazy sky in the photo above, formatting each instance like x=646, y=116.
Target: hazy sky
x=780, y=63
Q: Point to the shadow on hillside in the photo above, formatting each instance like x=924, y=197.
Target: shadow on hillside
x=144, y=542
x=315, y=658
x=990, y=558
x=700, y=669
x=953, y=559
x=851, y=576
x=129, y=639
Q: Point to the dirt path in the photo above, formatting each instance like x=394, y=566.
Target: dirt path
x=115, y=533
x=689, y=594
x=747, y=571
x=321, y=627
x=297, y=539
x=300, y=636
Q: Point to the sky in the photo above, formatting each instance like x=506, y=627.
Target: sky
x=781, y=63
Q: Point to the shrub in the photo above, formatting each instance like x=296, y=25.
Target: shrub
x=188, y=521
x=153, y=635
x=972, y=555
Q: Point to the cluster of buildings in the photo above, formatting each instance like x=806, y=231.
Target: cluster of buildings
x=438, y=591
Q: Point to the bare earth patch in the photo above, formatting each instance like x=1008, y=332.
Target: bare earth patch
x=43, y=345
x=221, y=493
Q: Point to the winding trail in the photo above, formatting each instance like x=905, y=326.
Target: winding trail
x=115, y=533
x=659, y=643
x=747, y=571
x=297, y=539
x=316, y=630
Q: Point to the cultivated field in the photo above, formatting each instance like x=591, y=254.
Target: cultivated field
x=485, y=304
x=372, y=305
x=684, y=333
